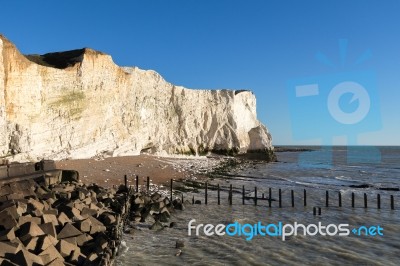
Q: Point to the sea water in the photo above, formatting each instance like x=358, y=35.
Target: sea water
x=339, y=170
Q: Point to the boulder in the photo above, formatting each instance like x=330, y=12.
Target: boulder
x=156, y=226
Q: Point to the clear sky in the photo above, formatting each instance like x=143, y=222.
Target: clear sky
x=269, y=47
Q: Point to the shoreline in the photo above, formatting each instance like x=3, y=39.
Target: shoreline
x=109, y=172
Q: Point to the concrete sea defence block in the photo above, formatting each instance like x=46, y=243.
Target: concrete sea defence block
x=70, y=226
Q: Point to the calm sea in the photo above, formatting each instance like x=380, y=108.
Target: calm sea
x=358, y=170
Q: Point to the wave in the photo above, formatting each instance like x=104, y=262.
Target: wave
x=347, y=179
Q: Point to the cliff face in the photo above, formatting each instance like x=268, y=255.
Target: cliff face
x=78, y=104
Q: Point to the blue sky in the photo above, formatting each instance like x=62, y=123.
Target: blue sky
x=257, y=45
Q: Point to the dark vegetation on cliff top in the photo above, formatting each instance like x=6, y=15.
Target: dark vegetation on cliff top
x=60, y=60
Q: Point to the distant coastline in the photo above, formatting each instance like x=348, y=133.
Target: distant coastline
x=301, y=148
x=295, y=148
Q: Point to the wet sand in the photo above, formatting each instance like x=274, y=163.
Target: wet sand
x=110, y=171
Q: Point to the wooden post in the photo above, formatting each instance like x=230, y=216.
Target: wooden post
x=182, y=197
x=148, y=184
x=314, y=211
x=280, y=198
x=219, y=199
x=137, y=183
x=255, y=196
x=319, y=210
x=327, y=198
x=379, y=201
x=230, y=195
x=243, y=193
x=126, y=181
x=365, y=200
x=270, y=197
x=305, y=197
x=292, y=194
x=340, y=199
x=206, y=194
x=171, y=184
x=193, y=200
x=352, y=199
x=392, y=202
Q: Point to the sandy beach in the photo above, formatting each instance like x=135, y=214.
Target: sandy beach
x=110, y=171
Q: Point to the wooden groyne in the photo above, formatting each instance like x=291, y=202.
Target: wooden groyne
x=294, y=197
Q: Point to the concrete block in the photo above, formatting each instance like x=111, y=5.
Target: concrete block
x=7, y=235
x=84, y=225
x=49, y=229
x=51, y=200
x=25, y=258
x=6, y=262
x=51, y=211
x=88, y=212
x=28, y=230
x=12, y=210
x=45, y=241
x=96, y=226
x=94, y=200
x=28, y=218
x=79, y=206
x=50, y=218
x=69, y=231
x=108, y=219
x=50, y=254
x=5, y=190
x=92, y=257
x=31, y=243
x=35, y=204
x=28, y=193
x=56, y=262
x=77, y=258
x=76, y=214
x=7, y=221
x=37, y=213
x=9, y=247
x=72, y=240
x=101, y=242
x=87, y=201
x=65, y=248
x=63, y=219
x=71, y=212
x=15, y=196
x=22, y=208
x=157, y=226
x=83, y=239
x=40, y=191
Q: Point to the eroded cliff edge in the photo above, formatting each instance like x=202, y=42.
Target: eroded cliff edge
x=79, y=104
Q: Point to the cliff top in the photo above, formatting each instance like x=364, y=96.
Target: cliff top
x=63, y=59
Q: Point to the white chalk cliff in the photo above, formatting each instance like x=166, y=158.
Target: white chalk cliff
x=79, y=104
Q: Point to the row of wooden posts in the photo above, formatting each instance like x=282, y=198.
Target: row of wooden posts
x=269, y=199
